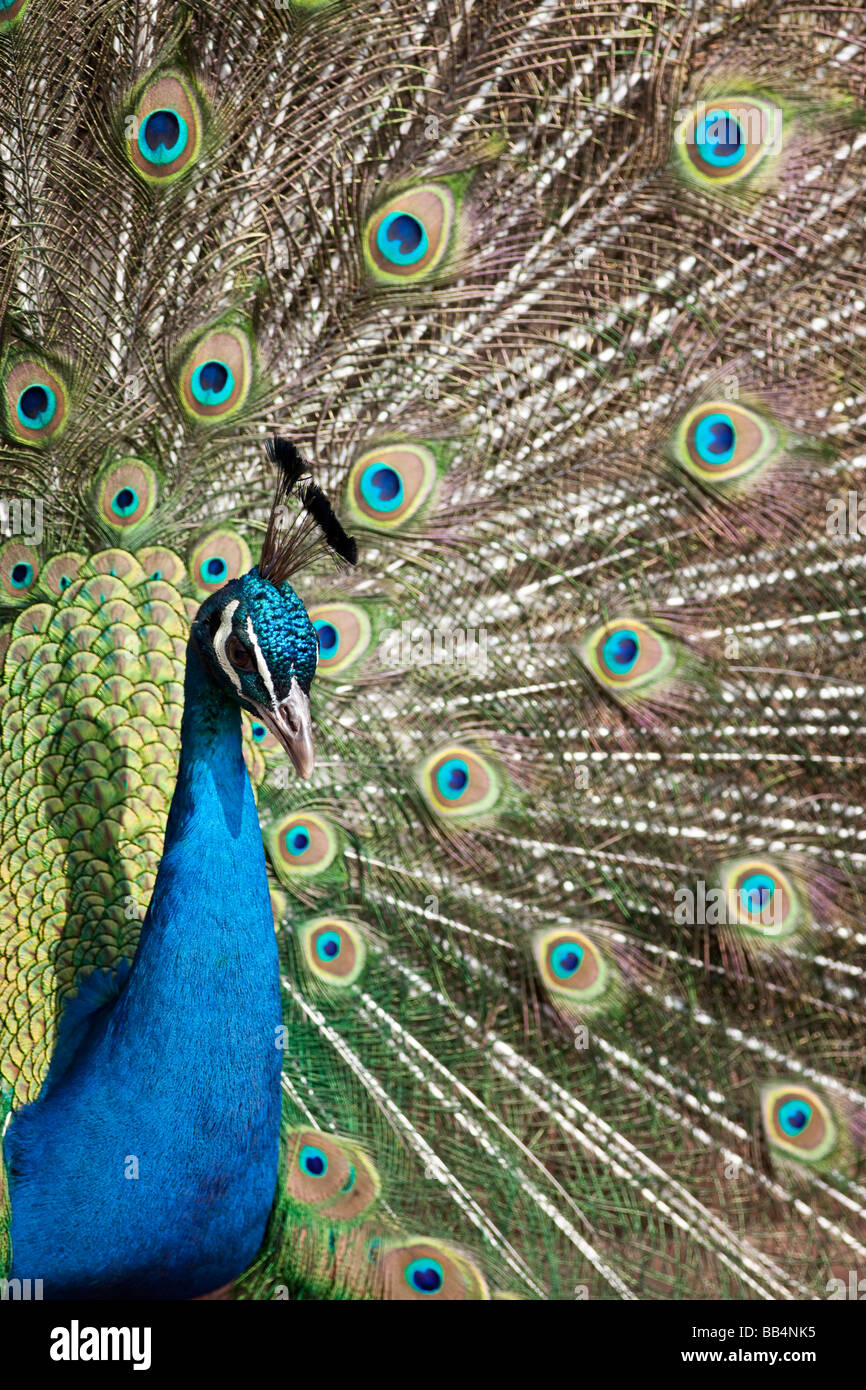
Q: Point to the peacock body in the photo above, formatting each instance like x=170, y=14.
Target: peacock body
x=548, y=982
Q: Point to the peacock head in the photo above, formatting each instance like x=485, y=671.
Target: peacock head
x=260, y=647
x=254, y=634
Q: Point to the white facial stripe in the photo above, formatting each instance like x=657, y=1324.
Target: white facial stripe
x=290, y=696
x=260, y=662
x=219, y=643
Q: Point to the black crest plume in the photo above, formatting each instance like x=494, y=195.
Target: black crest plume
x=287, y=548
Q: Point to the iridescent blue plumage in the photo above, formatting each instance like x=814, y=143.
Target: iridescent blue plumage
x=148, y=1164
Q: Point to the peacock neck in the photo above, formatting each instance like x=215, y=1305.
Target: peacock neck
x=209, y=929
x=212, y=784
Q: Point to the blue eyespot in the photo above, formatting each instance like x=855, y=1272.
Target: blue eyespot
x=65, y=581
x=756, y=893
x=36, y=407
x=259, y=732
x=214, y=569
x=566, y=959
x=794, y=1116
x=425, y=1275
x=621, y=651
x=401, y=238
x=719, y=139
x=328, y=946
x=162, y=136
x=329, y=637
x=212, y=383
x=452, y=778
x=716, y=438
x=125, y=502
x=313, y=1161
x=382, y=487
x=22, y=575
x=298, y=839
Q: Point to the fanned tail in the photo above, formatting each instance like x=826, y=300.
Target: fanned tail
x=561, y=307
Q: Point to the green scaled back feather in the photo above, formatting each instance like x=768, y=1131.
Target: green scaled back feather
x=569, y=913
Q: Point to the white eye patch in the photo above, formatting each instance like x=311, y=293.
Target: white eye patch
x=260, y=662
x=220, y=639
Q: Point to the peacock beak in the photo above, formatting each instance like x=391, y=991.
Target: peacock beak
x=290, y=722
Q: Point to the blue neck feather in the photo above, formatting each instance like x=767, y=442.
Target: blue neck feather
x=179, y=1072
x=209, y=927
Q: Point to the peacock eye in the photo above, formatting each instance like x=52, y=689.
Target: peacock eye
x=798, y=1123
x=331, y=1175
x=425, y=1276
x=388, y=485
x=126, y=494
x=162, y=136
x=164, y=133
x=216, y=558
x=313, y=1161
x=302, y=844
x=19, y=568
x=761, y=899
x=238, y=655
x=721, y=443
x=408, y=237
x=335, y=950
x=215, y=379
x=626, y=654
x=423, y=1269
x=36, y=402
x=344, y=633
x=572, y=968
x=458, y=782
x=722, y=142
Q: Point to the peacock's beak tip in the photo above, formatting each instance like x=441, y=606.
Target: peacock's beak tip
x=290, y=722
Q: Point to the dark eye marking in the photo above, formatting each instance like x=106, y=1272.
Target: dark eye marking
x=240, y=658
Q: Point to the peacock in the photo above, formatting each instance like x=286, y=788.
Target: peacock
x=432, y=576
